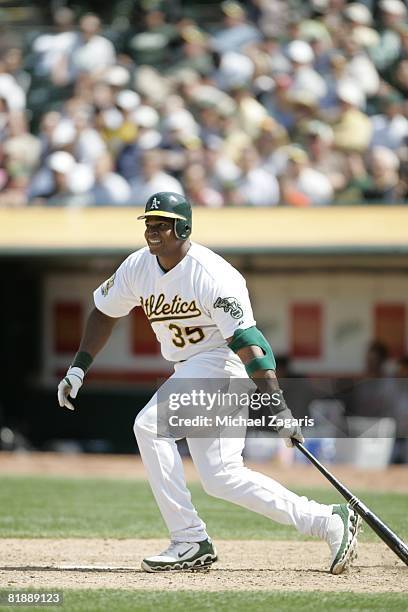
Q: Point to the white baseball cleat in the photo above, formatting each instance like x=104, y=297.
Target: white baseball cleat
x=342, y=537
x=182, y=556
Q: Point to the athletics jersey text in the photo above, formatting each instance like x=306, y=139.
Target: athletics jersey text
x=157, y=309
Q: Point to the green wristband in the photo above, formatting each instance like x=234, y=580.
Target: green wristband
x=82, y=360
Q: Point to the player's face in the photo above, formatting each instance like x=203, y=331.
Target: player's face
x=160, y=236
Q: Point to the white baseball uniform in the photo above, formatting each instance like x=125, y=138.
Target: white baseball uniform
x=193, y=308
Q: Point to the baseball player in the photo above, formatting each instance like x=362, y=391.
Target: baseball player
x=199, y=308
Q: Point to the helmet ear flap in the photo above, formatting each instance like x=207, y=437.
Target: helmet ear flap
x=182, y=229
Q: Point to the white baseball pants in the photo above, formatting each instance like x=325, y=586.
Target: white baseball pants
x=219, y=464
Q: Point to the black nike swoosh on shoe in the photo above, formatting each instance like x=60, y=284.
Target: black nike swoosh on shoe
x=185, y=552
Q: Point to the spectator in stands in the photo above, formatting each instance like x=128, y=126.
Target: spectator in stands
x=324, y=158
x=109, y=123
x=222, y=171
x=304, y=76
x=333, y=15
x=3, y=170
x=89, y=52
x=205, y=94
x=180, y=135
x=271, y=148
x=236, y=30
x=255, y=186
x=89, y=145
x=198, y=189
x=14, y=65
x=352, y=130
x=359, y=67
x=403, y=33
x=127, y=101
x=49, y=48
x=396, y=70
x=401, y=77
x=12, y=188
x=69, y=183
x=249, y=112
x=322, y=46
x=150, y=46
x=393, y=12
x=277, y=102
x=301, y=184
x=48, y=124
x=336, y=73
x=360, y=34
x=152, y=179
x=21, y=148
x=304, y=105
x=390, y=128
x=274, y=17
x=210, y=123
x=357, y=15
x=147, y=137
x=12, y=94
x=234, y=138
x=109, y=188
x=235, y=70
x=4, y=117
x=273, y=56
x=381, y=182
x=20, y=154
x=194, y=53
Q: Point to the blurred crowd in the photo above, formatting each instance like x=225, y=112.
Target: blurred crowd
x=272, y=102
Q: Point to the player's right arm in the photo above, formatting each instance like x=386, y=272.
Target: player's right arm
x=97, y=332
x=113, y=299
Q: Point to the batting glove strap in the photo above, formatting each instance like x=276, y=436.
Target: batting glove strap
x=76, y=372
x=286, y=425
x=69, y=386
x=74, y=378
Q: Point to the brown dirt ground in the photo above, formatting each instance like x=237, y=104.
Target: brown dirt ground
x=243, y=565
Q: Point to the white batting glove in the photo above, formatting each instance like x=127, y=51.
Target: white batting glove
x=290, y=429
x=69, y=386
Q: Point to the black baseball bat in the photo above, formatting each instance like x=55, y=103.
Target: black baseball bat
x=381, y=529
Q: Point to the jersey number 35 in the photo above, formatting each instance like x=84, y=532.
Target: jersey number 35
x=187, y=334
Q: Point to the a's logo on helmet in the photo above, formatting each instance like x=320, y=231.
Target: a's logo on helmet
x=154, y=204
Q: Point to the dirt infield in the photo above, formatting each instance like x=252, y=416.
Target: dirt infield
x=394, y=478
x=245, y=566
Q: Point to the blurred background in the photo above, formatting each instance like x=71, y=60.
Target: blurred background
x=285, y=123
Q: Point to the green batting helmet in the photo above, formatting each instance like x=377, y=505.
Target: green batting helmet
x=173, y=206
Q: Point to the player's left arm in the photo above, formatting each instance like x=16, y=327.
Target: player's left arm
x=255, y=353
x=231, y=310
